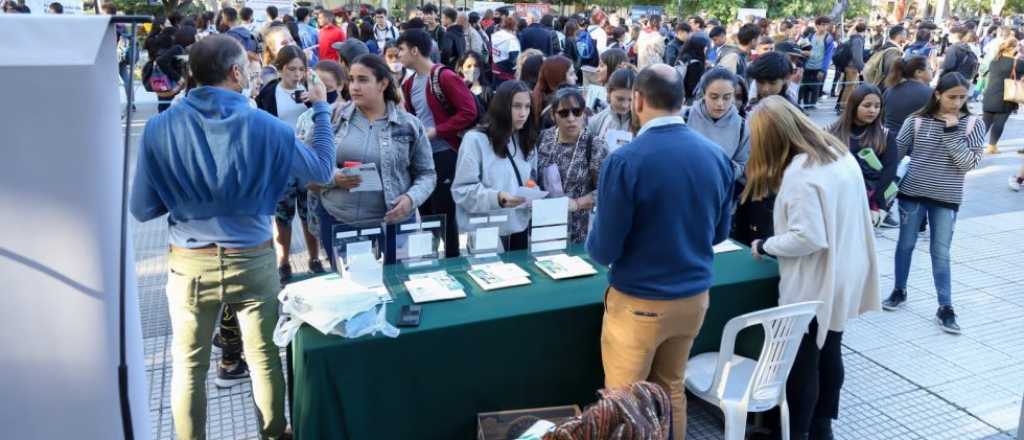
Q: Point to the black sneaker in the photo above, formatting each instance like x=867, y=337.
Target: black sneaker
x=947, y=320
x=890, y=222
x=227, y=378
x=821, y=429
x=285, y=272
x=315, y=266
x=895, y=300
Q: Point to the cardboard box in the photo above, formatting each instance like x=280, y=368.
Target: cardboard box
x=495, y=425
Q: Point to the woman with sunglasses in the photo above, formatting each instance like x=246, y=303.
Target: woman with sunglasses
x=494, y=160
x=569, y=158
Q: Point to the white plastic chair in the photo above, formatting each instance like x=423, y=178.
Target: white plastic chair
x=739, y=385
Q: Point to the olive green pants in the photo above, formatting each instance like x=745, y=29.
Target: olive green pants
x=197, y=285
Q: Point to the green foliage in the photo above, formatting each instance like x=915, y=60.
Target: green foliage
x=163, y=8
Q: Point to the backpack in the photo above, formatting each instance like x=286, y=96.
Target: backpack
x=434, y=84
x=154, y=79
x=967, y=62
x=842, y=56
x=586, y=47
x=913, y=51
x=875, y=70
x=741, y=64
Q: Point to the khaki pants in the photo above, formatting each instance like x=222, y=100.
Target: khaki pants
x=197, y=285
x=650, y=340
x=851, y=77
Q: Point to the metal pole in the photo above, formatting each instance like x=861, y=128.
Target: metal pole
x=122, y=367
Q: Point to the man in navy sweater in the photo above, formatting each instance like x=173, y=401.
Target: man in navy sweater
x=665, y=201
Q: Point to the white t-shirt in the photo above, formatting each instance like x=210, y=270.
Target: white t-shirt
x=600, y=37
x=503, y=43
x=287, y=109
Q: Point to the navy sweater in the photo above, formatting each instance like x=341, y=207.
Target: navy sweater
x=664, y=202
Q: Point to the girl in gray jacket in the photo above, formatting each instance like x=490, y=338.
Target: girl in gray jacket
x=716, y=117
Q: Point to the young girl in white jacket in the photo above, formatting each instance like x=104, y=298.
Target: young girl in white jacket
x=824, y=243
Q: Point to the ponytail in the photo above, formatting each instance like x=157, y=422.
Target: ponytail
x=903, y=69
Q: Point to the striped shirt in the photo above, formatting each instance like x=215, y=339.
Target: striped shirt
x=940, y=157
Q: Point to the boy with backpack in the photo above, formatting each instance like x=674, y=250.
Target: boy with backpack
x=822, y=45
x=881, y=61
x=440, y=99
x=959, y=57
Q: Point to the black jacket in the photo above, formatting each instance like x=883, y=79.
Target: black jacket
x=672, y=51
x=452, y=45
x=266, y=100
x=999, y=70
x=536, y=36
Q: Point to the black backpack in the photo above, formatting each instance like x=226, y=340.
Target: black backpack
x=843, y=55
x=967, y=62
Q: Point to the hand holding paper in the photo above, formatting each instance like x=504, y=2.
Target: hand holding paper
x=529, y=194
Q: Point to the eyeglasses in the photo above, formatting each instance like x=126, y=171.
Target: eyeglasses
x=564, y=113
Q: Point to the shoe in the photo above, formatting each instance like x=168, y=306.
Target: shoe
x=895, y=300
x=315, y=266
x=285, y=272
x=227, y=378
x=821, y=429
x=947, y=320
x=991, y=149
x=889, y=222
x=1014, y=183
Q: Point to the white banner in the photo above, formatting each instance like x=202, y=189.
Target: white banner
x=60, y=189
x=743, y=13
x=259, y=8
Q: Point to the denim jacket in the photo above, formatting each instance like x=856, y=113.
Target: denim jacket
x=406, y=162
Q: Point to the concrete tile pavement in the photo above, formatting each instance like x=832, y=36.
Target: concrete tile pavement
x=905, y=378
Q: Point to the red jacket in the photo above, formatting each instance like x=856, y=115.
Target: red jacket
x=329, y=35
x=448, y=126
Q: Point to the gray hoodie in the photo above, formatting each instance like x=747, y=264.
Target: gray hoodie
x=729, y=132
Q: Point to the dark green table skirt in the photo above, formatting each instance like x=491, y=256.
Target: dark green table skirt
x=533, y=346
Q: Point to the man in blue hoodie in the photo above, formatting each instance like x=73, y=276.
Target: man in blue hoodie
x=217, y=167
x=665, y=202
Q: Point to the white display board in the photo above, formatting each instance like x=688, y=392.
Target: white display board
x=60, y=193
x=743, y=13
x=259, y=8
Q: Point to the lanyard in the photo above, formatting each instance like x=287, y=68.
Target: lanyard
x=519, y=177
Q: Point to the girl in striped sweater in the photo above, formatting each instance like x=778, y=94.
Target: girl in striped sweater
x=945, y=142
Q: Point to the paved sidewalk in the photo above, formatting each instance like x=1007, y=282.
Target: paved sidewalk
x=905, y=379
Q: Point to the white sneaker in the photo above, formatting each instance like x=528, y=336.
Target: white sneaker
x=1014, y=184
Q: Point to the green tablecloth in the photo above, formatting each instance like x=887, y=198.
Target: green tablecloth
x=532, y=346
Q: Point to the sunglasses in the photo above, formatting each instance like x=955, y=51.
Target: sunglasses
x=564, y=113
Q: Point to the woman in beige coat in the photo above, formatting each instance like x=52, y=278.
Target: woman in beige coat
x=824, y=243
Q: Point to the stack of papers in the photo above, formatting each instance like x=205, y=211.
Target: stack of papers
x=726, y=246
x=562, y=266
x=498, y=276
x=324, y=302
x=434, y=286
x=369, y=175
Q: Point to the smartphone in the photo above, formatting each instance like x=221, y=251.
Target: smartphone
x=297, y=96
x=410, y=316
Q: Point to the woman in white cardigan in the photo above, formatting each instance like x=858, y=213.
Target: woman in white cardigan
x=824, y=243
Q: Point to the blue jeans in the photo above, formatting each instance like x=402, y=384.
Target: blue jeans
x=942, y=219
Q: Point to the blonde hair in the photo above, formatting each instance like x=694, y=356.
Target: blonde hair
x=522, y=59
x=778, y=132
x=1009, y=46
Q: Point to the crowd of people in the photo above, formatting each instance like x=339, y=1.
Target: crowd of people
x=667, y=136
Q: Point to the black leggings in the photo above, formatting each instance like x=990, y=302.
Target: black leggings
x=995, y=123
x=815, y=380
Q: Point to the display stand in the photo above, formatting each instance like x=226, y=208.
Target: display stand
x=549, y=229
x=484, y=243
x=419, y=243
x=357, y=250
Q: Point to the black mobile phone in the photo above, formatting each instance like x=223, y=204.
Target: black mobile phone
x=297, y=96
x=410, y=316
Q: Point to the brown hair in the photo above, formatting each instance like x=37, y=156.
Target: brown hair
x=778, y=132
x=552, y=75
